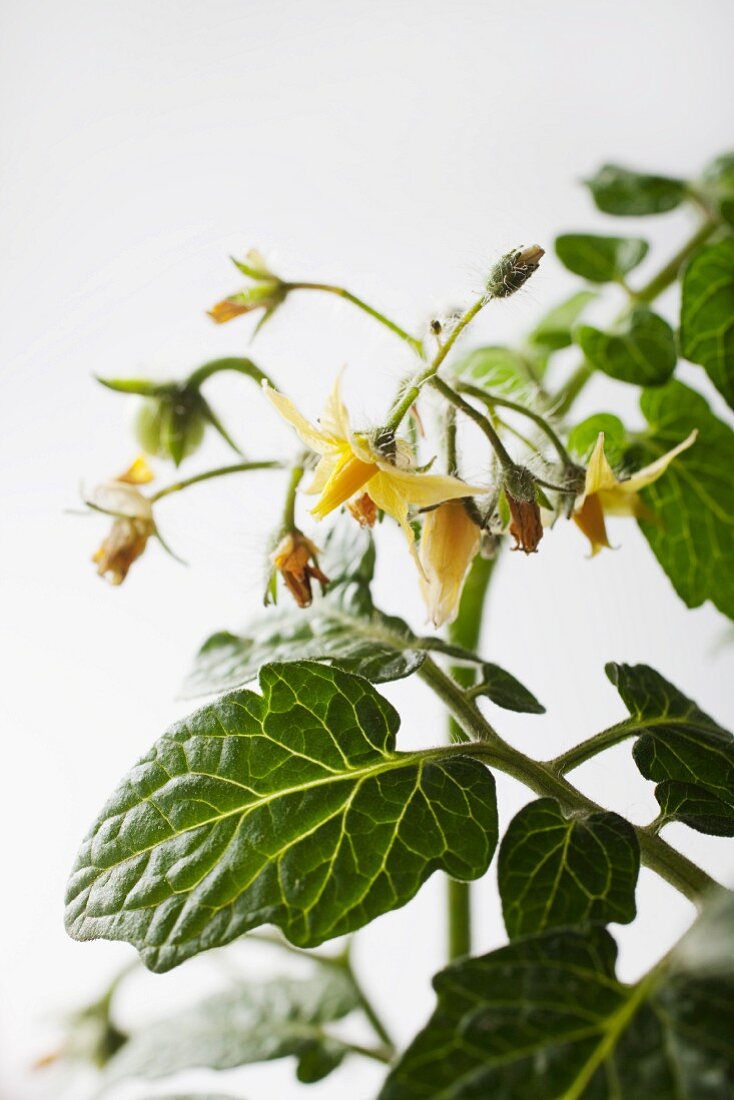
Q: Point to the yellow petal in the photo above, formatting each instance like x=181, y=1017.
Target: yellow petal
x=346, y=478
x=425, y=490
x=313, y=438
x=385, y=491
x=139, y=473
x=656, y=469
x=590, y=519
x=335, y=419
x=599, y=474
x=449, y=544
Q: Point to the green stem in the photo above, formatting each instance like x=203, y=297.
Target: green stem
x=289, y=507
x=646, y=294
x=384, y=1055
x=340, y=292
x=220, y=471
x=490, y=400
x=241, y=366
x=481, y=421
x=593, y=745
x=464, y=632
x=409, y=395
x=541, y=777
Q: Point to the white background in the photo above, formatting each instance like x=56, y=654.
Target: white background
x=400, y=148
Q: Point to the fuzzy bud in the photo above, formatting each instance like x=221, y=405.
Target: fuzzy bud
x=513, y=271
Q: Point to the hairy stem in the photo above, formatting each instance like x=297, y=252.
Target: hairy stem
x=410, y=393
x=541, y=777
x=220, y=471
x=481, y=421
x=593, y=745
x=289, y=507
x=491, y=401
x=340, y=292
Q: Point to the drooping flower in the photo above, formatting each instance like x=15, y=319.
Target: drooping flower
x=266, y=292
x=352, y=464
x=449, y=544
x=133, y=522
x=297, y=560
x=605, y=494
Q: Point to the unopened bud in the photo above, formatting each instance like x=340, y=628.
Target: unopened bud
x=513, y=271
x=525, y=525
x=171, y=425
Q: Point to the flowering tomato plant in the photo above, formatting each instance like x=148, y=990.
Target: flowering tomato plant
x=291, y=804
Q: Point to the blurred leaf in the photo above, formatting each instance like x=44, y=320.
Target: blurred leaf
x=289, y=808
x=619, y=191
x=582, y=438
x=600, y=259
x=677, y=741
x=555, y=871
x=247, y=1023
x=546, y=1017
x=691, y=521
x=500, y=370
x=554, y=330
x=643, y=352
x=718, y=185
x=707, y=314
x=141, y=386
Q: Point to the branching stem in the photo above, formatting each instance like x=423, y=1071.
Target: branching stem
x=327, y=288
x=220, y=471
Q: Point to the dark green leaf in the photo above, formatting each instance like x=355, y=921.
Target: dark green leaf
x=642, y=352
x=691, y=522
x=500, y=370
x=505, y=691
x=718, y=185
x=289, y=808
x=553, y=332
x=678, y=742
x=555, y=871
x=707, y=314
x=600, y=259
x=546, y=1018
x=617, y=190
x=582, y=438
x=249, y=1023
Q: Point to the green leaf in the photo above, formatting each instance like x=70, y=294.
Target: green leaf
x=500, y=370
x=677, y=741
x=619, y=191
x=546, y=1017
x=582, y=438
x=707, y=314
x=344, y=628
x=289, y=808
x=718, y=185
x=600, y=259
x=142, y=386
x=643, y=352
x=555, y=871
x=691, y=522
x=247, y=1023
x=504, y=690
x=553, y=331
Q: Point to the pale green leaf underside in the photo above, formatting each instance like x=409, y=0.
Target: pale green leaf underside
x=691, y=528
x=679, y=747
x=249, y=1023
x=707, y=314
x=290, y=808
x=545, y=1017
x=553, y=331
x=555, y=871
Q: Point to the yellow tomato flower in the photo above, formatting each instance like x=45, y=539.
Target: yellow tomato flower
x=604, y=494
x=449, y=544
x=133, y=524
x=350, y=464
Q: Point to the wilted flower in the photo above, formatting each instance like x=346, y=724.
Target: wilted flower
x=350, y=462
x=133, y=523
x=604, y=494
x=449, y=544
x=526, y=526
x=296, y=559
x=364, y=509
x=266, y=293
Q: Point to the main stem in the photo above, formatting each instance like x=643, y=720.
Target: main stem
x=541, y=777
